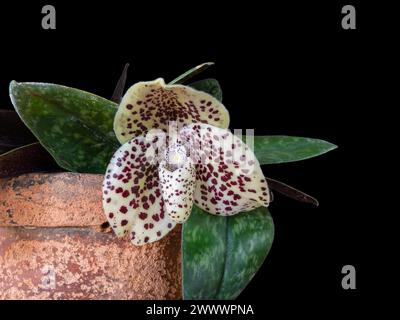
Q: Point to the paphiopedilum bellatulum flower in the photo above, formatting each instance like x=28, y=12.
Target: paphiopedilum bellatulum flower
x=154, y=178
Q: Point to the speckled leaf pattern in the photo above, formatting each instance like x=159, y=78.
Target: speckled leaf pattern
x=249, y=239
x=280, y=149
x=210, y=86
x=222, y=254
x=75, y=126
x=203, y=251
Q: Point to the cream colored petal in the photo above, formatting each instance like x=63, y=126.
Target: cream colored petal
x=132, y=198
x=153, y=104
x=229, y=177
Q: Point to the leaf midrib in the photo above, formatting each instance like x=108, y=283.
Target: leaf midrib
x=225, y=258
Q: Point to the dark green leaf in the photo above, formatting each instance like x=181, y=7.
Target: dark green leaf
x=221, y=254
x=211, y=86
x=280, y=149
x=13, y=132
x=191, y=73
x=291, y=192
x=120, y=87
x=75, y=126
x=27, y=159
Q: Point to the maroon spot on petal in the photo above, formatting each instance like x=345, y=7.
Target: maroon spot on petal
x=123, y=209
x=124, y=222
x=125, y=194
x=143, y=215
x=111, y=215
x=119, y=190
x=133, y=204
x=159, y=233
x=129, y=106
x=146, y=239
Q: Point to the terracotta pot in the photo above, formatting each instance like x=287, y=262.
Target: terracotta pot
x=56, y=244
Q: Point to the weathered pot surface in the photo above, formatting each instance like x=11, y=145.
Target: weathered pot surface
x=55, y=244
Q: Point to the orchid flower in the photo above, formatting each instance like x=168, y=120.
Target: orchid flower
x=153, y=179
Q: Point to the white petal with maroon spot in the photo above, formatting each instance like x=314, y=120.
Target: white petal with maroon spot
x=154, y=104
x=132, y=199
x=229, y=177
x=177, y=189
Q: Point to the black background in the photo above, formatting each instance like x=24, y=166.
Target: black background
x=285, y=68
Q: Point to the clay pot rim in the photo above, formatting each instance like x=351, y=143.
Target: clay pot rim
x=31, y=198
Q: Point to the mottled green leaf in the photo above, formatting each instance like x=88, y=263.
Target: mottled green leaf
x=75, y=126
x=220, y=255
x=280, y=149
x=211, y=86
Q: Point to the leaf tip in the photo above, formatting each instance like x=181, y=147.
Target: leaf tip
x=332, y=146
x=12, y=91
x=13, y=84
x=208, y=64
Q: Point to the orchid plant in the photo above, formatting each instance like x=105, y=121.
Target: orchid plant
x=169, y=159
